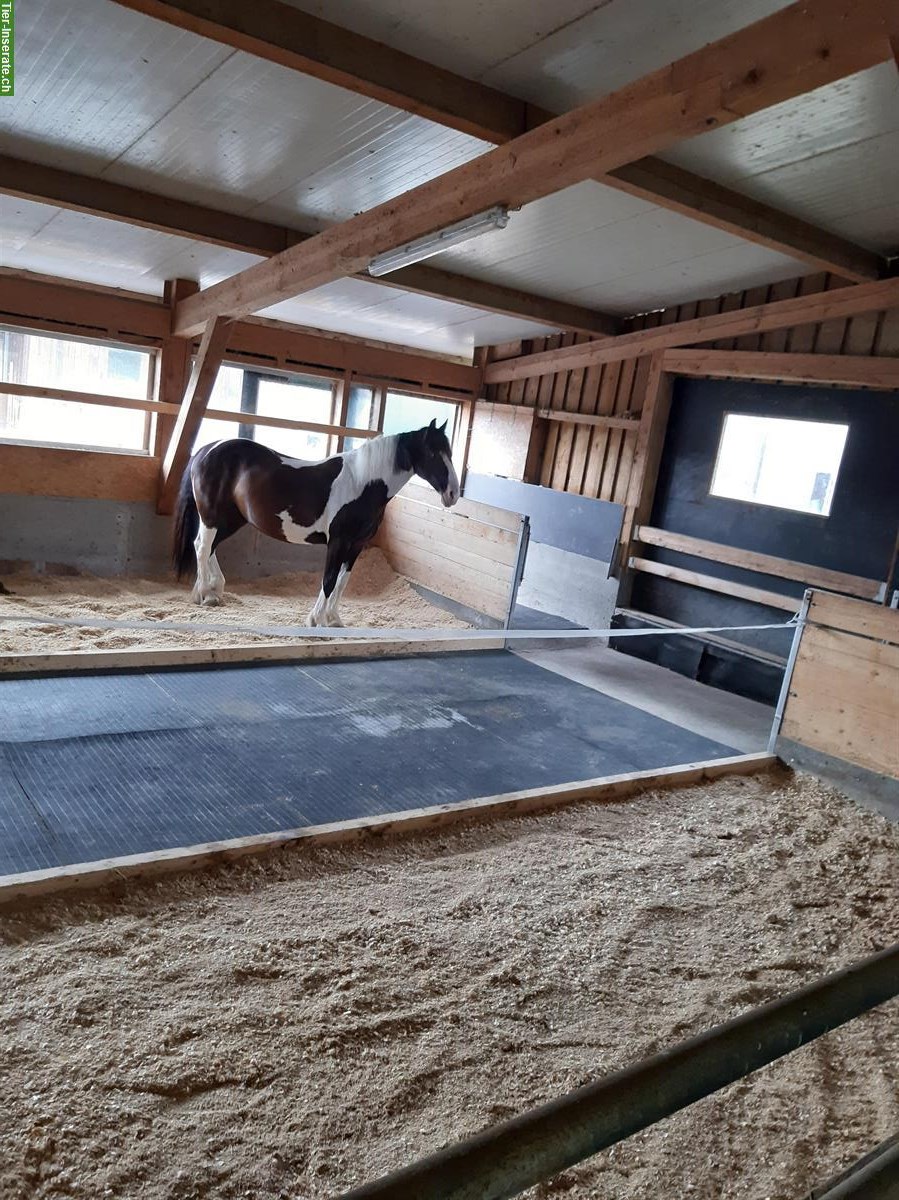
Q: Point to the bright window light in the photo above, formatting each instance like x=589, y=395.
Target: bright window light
x=779, y=462
x=292, y=398
x=226, y=398
x=297, y=400
x=39, y=360
x=403, y=413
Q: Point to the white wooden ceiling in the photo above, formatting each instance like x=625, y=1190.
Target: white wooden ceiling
x=108, y=92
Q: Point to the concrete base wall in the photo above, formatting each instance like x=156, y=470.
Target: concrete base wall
x=111, y=537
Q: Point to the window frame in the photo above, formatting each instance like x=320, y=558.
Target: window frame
x=103, y=399
x=767, y=504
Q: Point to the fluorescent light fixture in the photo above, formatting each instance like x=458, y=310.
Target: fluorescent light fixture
x=434, y=243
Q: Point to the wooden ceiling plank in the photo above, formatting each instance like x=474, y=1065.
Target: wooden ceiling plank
x=744, y=73
x=150, y=210
x=280, y=33
x=722, y=208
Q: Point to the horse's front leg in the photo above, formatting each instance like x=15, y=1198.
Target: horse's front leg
x=324, y=611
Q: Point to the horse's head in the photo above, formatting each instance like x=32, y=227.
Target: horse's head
x=430, y=456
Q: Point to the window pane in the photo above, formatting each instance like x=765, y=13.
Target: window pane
x=42, y=361
x=62, y=423
x=402, y=413
x=226, y=395
x=787, y=464
x=359, y=412
x=45, y=361
x=295, y=401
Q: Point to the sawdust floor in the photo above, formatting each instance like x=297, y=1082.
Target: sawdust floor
x=375, y=596
x=298, y=1025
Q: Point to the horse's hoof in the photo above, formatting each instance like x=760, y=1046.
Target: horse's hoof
x=211, y=601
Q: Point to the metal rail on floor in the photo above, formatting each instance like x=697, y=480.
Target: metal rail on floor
x=504, y=1160
x=874, y=1177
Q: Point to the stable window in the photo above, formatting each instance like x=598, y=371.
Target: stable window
x=284, y=397
x=403, y=412
x=779, y=462
x=57, y=365
x=360, y=413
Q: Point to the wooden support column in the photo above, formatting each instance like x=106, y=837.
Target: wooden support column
x=341, y=408
x=645, y=468
x=193, y=406
x=379, y=403
x=174, y=365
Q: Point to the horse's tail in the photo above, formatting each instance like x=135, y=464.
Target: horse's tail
x=187, y=523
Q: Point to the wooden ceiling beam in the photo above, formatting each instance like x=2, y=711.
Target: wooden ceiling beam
x=839, y=303
x=836, y=370
x=70, y=309
x=797, y=49
x=135, y=206
x=720, y=207
x=282, y=34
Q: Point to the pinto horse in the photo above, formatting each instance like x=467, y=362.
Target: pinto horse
x=339, y=502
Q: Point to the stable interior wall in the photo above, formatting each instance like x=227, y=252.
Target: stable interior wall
x=842, y=711
x=858, y=537
x=96, y=512
x=571, y=544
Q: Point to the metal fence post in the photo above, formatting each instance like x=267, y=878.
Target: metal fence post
x=801, y=618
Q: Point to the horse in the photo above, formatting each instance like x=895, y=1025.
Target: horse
x=339, y=502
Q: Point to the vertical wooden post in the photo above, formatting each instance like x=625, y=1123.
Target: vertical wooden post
x=462, y=440
x=341, y=408
x=645, y=466
x=174, y=365
x=196, y=398
x=379, y=403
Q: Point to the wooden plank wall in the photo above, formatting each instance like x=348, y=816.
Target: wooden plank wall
x=500, y=439
x=844, y=694
x=467, y=553
x=80, y=474
x=596, y=461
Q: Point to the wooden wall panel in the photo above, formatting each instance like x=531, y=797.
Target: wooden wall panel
x=80, y=474
x=500, y=439
x=457, y=552
x=844, y=693
x=597, y=462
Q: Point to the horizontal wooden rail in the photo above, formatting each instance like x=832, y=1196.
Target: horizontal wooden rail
x=861, y=620
x=576, y=418
x=425, y=820
x=51, y=393
x=838, y=370
x=157, y=406
x=766, y=564
x=711, y=583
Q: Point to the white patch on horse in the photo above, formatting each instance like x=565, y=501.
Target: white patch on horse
x=374, y=460
x=450, y=494
x=293, y=532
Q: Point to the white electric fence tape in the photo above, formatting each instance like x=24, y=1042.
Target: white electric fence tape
x=377, y=635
